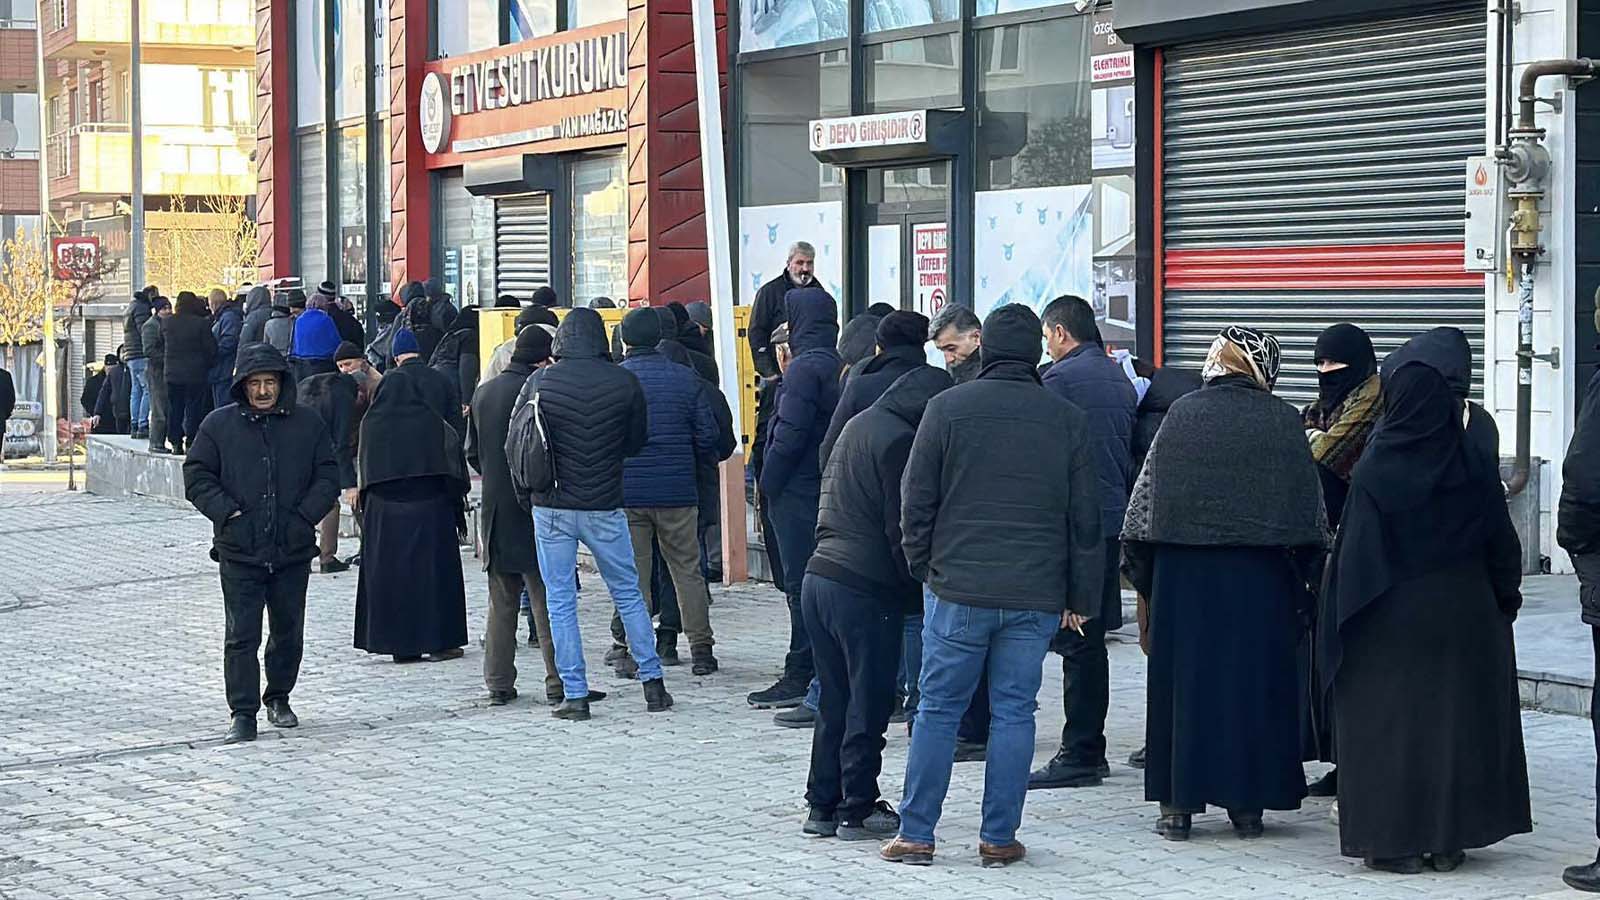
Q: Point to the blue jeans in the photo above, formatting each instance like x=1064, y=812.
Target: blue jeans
x=605, y=532
x=959, y=644
x=139, y=395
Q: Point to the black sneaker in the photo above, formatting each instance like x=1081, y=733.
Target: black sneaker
x=878, y=824
x=1061, y=772
x=281, y=716
x=656, y=698
x=704, y=663
x=1136, y=758
x=572, y=710
x=820, y=824
x=797, y=717
x=242, y=729
x=784, y=694
x=1584, y=878
x=333, y=567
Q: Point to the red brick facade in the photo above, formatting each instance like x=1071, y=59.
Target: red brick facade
x=274, y=163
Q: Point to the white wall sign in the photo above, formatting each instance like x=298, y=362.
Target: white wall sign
x=869, y=131
x=931, y=258
x=433, y=113
x=1111, y=67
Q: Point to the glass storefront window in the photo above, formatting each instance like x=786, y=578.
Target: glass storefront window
x=599, y=228
x=1033, y=87
x=781, y=97
x=467, y=25
x=990, y=7
x=530, y=18
x=312, y=177
x=765, y=24
x=308, y=62
x=22, y=111
x=882, y=15
x=592, y=12
x=349, y=58
x=918, y=73
x=353, y=209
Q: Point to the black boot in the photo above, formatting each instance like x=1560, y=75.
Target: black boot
x=1246, y=824
x=656, y=698
x=280, y=715
x=1584, y=878
x=1063, y=772
x=1399, y=865
x=573, y=710
x=242, y=729
x=1326, y=786
x=785, y=693
x=667, y=647
x=704, y=662
x=1136, y=758
x=1174, y=826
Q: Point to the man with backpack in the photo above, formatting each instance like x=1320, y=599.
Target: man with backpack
x=575, y=423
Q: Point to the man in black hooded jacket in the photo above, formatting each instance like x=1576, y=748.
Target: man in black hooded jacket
x=900, y=337
x=1578, y=533
x=262, y=470
x=856, y=594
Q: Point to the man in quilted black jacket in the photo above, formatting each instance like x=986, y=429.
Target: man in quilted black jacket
x=594, y=415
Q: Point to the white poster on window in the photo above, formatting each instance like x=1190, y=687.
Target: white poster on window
x=883, y=265
x=930, y=257
x=766, y=232
x=1033, y=245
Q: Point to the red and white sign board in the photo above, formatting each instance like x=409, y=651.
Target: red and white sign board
x=1111, y=67
x=930, y=260
x=74, y=257
x=881, y=130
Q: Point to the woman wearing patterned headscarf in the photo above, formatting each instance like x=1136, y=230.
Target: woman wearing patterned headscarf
x=1224, y=532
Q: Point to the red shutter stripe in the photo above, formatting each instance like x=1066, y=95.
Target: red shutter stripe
x=1324, y=267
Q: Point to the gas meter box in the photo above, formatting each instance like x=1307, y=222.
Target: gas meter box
x=1485, y=220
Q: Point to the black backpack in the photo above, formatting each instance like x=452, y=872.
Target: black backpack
x=529, y=454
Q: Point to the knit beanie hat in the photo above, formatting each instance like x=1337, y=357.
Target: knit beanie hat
x=347, y=350
x=533, y=347
x=535, y=315
x=506, y=301
x=903, y=328
x=545, y=296
x=641, y=328
x=1012, y=333
x=404, y=342
x=700, y=313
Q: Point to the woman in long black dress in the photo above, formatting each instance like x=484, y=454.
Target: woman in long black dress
x=1224, y=530
x=410, y=600
x=1423, y=587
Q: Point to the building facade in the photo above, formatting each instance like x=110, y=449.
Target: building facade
x=19, y=117
x=937, y=151
x=521, y=143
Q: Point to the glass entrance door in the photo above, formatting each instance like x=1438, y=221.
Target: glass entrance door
x=908, y=259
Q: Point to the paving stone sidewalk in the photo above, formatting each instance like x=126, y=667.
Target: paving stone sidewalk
x=113, y=783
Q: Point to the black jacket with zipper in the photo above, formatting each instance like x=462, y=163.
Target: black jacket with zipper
x=864, y=383
x=275, y=469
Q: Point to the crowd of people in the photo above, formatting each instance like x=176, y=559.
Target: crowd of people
x=1333, y=583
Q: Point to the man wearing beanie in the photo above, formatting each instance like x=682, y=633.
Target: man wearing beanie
x=1082, y=374
x=546, y=297
x=660, y=491
x=529, y=316
x=320, y=386
x=594, y=415
x=900, y=337
x=1001, y=448
x=509, y=560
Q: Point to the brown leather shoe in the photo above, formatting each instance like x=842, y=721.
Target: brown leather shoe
x=993, y=856
x=911, y=853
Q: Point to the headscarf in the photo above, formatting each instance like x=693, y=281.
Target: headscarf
x=1244, y=351
x=1417, y=449
x=1343, y=343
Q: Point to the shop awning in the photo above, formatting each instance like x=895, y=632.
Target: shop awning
x=1159, y=22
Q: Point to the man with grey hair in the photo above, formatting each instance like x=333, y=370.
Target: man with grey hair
x=767, y=313
x=956, y=331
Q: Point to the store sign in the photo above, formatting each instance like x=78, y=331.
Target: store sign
x=605, y=120
x=74, y=257
x=434, y=113
x=570, y=69
x=1111, y=67
x=930, y=258
x=882, y=130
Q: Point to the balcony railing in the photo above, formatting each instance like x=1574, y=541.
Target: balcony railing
x=18, y=24
x=178, y=159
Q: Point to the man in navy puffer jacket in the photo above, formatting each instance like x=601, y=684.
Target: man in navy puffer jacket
x=790, y=475
x=659, y=487
x=1086, y=377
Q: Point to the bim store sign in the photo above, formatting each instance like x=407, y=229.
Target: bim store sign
x=564, y=92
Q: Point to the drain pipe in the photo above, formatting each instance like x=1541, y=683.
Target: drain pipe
x=1527, y=165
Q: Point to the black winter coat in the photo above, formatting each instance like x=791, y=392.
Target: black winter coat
x=332, y=395
x=349, y=326
x=442, y=394
x=8, y=399
x=191, y=349
x=864, y=383
x=155, y=348
x=1001, y=498
x=810, y=393
x=456, y=357
x=92, y=383
x=683, y=432
x=257, y=310
x=137, y=313
x=766, y=314
x=113, y=406
x=858, y=519
x=507, y=527
x=1578, y=512
x=1096, y=384
x=227, y=326
x=275, y=469
x=1166, y=386
x=594, y=412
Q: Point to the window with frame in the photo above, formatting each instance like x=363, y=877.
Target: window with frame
x=780, y=97
x=1034, y=91
x=916, y=73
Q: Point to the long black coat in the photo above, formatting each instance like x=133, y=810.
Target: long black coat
x=332, y=394
x=507, y=525
x=443, y=394
x=191, y=348
x=275, y=469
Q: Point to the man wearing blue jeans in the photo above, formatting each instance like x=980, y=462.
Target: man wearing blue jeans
x=1000, y=449
x=138, y=312
x=593, y=415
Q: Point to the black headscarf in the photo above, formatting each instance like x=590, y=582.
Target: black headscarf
x=1343, y=343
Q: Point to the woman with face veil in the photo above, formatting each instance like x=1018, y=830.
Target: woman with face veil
x=1416, y=636
x=1224, y=530
x=410, y=600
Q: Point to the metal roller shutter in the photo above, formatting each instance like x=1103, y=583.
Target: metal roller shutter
x=522, y=244
x=1317, y=176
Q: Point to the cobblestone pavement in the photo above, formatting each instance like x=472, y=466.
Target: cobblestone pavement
x=113, y=783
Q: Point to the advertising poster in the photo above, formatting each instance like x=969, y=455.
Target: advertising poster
x=765, y=233
x=1114, y=292
x=930, y=257
x=1033, y=245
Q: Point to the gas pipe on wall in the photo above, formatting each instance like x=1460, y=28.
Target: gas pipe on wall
x=1526, y=161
